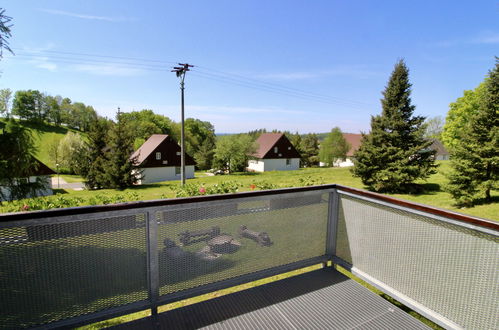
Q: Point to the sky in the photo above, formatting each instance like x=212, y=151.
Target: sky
x=304, y=66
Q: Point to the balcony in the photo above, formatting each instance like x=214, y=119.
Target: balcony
x=68, y=267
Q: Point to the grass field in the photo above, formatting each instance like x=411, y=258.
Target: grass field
x=433, y=194
x=43, y=134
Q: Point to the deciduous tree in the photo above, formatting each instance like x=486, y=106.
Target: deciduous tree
x=233, y=151
x=333, y=147
x=459, y=114
x=5, y=98
x=475, y=158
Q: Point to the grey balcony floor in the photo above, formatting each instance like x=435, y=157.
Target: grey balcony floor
x=322, y=299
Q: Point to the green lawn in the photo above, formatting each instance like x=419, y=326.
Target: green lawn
x=433, y=195
x=43, y=134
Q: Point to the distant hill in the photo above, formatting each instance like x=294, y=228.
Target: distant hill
x=43, y=134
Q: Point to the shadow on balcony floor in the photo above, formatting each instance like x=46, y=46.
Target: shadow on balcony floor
x=322, y=299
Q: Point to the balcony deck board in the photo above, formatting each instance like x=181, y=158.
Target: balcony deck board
x=322, y=299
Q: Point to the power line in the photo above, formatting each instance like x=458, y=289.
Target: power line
x=203, y=72
x=97, y=55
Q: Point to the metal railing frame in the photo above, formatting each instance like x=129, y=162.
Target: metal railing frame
x=150, y=209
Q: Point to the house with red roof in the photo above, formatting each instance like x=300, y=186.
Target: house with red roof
x=274, y=153
x=38, y=173
x=159, y=160
x=354, y=141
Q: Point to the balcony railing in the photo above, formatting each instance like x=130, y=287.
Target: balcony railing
x=74, y=266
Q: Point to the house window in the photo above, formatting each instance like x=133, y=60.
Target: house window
x=275, y=150
x=288, y=162
x=177, y=170
x=178, y=153
x=158, y=156
x=289, y=148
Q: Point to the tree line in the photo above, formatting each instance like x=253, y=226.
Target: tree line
x=35, y=106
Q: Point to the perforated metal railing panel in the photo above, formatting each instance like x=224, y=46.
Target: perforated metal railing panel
x=450, y=269
x=50, y=272
x=202, y=243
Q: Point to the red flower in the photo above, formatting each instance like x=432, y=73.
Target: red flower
x=252, y=186
x=202, y=190
x=25, y=207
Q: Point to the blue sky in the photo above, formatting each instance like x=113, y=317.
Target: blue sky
x=302, y=66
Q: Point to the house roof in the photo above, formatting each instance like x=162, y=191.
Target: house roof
x=354, y=140
x=39, y=169
x=169, y=149
x=439, y=148
x=266, y=143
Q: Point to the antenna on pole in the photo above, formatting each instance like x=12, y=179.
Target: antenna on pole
x=180, y=72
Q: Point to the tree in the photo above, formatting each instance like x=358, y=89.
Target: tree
x=434, y=127
x=309, y=149
x=459, y=114
x=92, y=164
x=5, y=33
x=54, y=109
x=5, y=96
x=333, y=147
x=233, y=152
x=17, y=162
x=29, y=105
x=475, y=159
x=120, y=170
x=395, y=153
x=200, y=141
x=70, y=148
x=53, y=149
x=146, y=123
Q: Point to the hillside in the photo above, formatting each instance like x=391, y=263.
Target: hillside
x=43, y=135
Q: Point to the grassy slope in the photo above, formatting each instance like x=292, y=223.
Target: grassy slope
x=43, y=135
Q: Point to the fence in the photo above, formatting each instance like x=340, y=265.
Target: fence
x=75, y=266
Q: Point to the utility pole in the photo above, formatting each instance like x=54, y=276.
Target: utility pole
x=180, y=71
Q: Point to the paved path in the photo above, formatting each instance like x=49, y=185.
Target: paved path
x=60, y=183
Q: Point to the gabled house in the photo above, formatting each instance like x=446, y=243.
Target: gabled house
x=275, y=153
x=159, y=160
x=440, y=152
x=39, y=172
x=354, y=141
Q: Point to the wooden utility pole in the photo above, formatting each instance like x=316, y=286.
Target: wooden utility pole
x=180, y=71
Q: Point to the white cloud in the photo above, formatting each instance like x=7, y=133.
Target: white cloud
x=489, y=38
x=484, y=38
x=47, y=65
x=43, y=63
x=84, y=16
x=108, y=70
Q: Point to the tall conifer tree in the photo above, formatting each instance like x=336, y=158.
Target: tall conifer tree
x=395, y=154
x=475, y=159
x=121, y=171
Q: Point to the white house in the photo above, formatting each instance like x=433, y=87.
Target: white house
x=41, y=173
x=274, y=153
x=159, y=160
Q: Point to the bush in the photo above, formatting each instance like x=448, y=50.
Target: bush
x=196, y=189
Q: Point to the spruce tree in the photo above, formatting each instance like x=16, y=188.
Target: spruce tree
x=120, y=170
x=395, y=154
x=92, y=164
x=475, y=159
